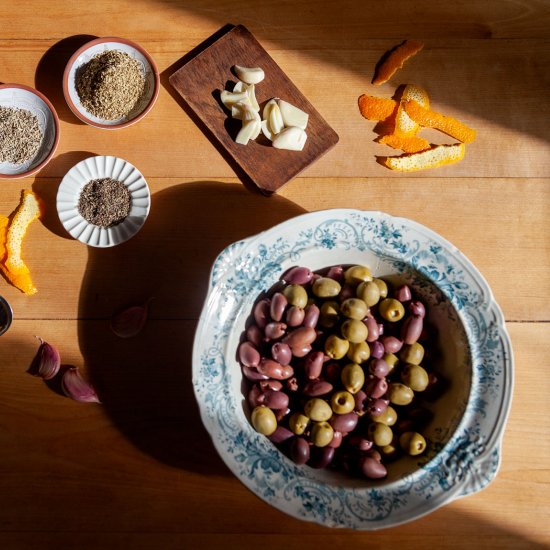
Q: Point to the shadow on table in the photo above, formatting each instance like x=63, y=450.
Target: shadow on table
x=145, y=382
x=50, y=69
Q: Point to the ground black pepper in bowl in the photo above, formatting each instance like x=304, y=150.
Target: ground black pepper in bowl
x=104, y=202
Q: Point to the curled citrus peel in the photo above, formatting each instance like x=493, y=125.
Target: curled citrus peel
x=446, y=124
x=11, y=240
x=376, y=108
x=409, y=144
x=436, y=156
x=395, y=59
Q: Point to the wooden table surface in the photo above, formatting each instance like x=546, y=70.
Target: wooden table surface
x=139, y=470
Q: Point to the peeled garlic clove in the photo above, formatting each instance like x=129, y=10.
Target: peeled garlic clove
x=46, y=362
x=267, y=108
x=251, y=91
x=130, y=321
x=250, y=114
x=292, y=116
x=239, y=87
x=258, y=130
x=75, y=387
x=266, y=131
x=247, y=132
x=229, y=98
x=237, y=110
x=292, y=139
x=275, y=119
x=250, y=75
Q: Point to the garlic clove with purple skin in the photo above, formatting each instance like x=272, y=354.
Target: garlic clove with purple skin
x=47, y=361
x=77, y=388
x=129, y=322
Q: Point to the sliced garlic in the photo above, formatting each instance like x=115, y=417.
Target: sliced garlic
x=250, y=75
x=267, y=108
x=250, y=129
x=291, y=138
x=266, y=131
x=292, y=116
x=275, y=119
x=230, y=98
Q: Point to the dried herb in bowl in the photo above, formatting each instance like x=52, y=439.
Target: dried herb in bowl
x=110, y=85
x=20, y=135
x=104, y=202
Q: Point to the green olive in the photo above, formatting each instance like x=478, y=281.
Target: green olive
x=369, y=292
x=357, y=274
x=382, y=287
x=342, y=402
x=264, y=420
x=389, y=451
x=391, y=310
x=329, y=314
x=359, y=353
x=354, y=331
x=317, y=409
x=354, y=308
x=412, y=443
x=324, y=287
x=336, y=347
x=381, y=434
x=391, y=359
x=321, y=434
x=296, y=295
x=353, y=377
x=388, y=417
x=400, y=394
x=415, y=377
x=413, y=354
x=298, y=423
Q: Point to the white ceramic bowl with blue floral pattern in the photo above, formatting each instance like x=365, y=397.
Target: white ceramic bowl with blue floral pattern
x=476, y=360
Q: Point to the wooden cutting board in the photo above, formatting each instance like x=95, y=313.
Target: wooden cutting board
x=205, y=74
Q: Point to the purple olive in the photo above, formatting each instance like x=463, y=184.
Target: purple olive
x=274, y=331
x=261, y=313
x=337, y=439
x=403, y=294
x=300, y=337
x=275, y=399
x=378, y=406
x=372, y=469
x=275, y=385
x=295, y=316
x=298, y=276
x=255, y=396
x=311, y=316
x=254, y=334
x=379, y=368
x=345, y=423
x=336, y=272
x=376, y=349
x=376, y=387
x=278, y=305
x=252, y=374
x=272, y=369
x=280, y=435
x=313, y=365
x=391, y=344
x=374, y=329
x=360, y=442
x=316, y=388
x=321, y=457
x=412, y=329
x=299, y=450
x=360, y=401
x=417, y=308
x=301, y=351
x=249, y=356
x=281, y=353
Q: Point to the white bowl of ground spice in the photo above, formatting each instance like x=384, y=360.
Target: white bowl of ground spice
x=111, y=83
x=103, y=201
x=29, y=131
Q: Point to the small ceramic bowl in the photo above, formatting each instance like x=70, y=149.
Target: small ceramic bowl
x=474, y=357
x=100, y=45
x=24, y=97
x=96, y=168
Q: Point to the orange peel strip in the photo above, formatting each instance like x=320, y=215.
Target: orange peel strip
x=404, y=125
x=395, y=60
x=409, y=144
x=446, y=124
x=376, y=108
x=13, y=266
x=437, y=156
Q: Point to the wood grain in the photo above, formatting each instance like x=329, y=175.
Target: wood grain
x=139, y=470
x=201, y=79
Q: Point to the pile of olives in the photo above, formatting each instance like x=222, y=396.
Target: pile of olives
x=333, y=367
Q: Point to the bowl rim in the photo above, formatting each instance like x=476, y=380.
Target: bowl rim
x=103, y=40
x=56, y=124
x=467, y=476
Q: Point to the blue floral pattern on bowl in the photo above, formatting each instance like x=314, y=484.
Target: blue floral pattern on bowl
x=465, y=448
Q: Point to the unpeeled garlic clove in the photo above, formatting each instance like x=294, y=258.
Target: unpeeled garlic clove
x=292, y=139
x=46, y=362
x=75, y=387
x=250, y=75
x=130, y=321
x=292, y=116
